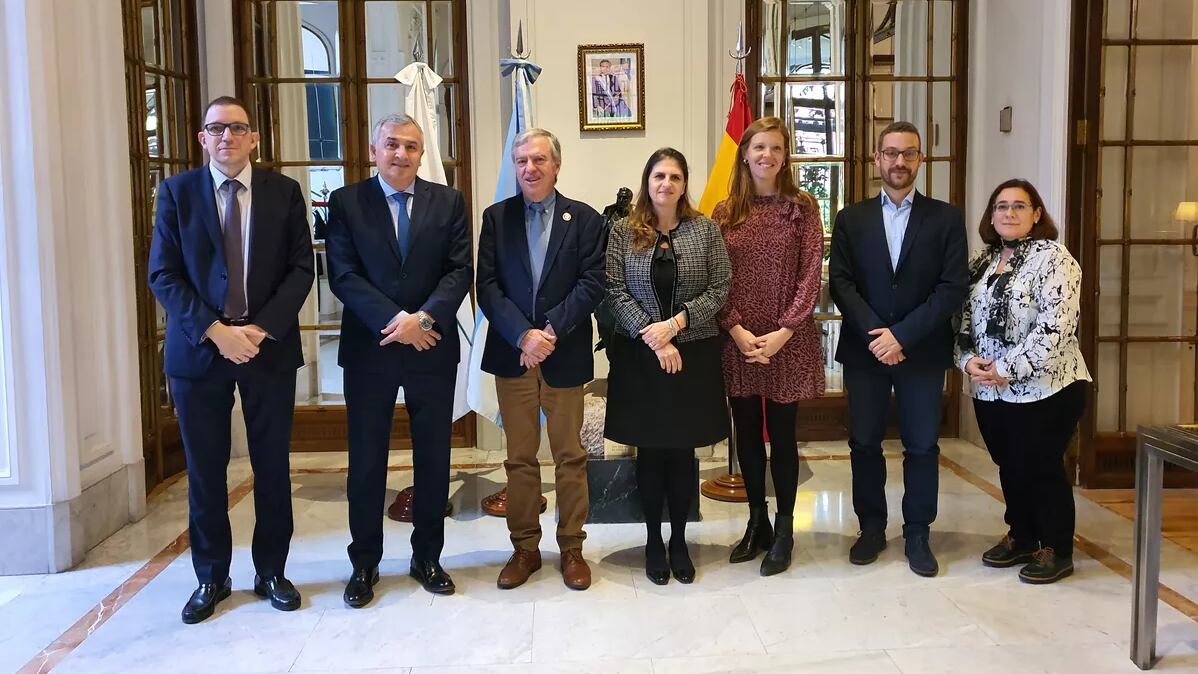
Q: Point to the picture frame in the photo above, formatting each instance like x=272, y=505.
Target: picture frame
x=611, y=87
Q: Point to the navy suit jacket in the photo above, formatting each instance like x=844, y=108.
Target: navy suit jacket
x=368, y=274
x=187, y=271
x=571, y=286
x=917, y=300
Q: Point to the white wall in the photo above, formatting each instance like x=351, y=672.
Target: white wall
x=66, y=285
x=1019, y=56
x=687, y=75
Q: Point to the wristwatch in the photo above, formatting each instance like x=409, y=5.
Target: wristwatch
x=426, y=323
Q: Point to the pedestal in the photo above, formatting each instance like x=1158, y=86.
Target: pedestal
x=401, y=507
x=614, y=497
x=495, y=505
x=727, y=487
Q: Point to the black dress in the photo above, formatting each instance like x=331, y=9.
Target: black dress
x=648, y=408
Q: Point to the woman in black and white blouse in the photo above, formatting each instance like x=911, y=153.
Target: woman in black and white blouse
x=1018, y=343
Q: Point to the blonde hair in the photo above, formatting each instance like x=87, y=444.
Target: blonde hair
x=741, y=193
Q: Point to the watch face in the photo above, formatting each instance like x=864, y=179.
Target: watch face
x=425, y=324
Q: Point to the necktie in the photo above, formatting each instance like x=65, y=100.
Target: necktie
x=405, y=224
x=235, y=304
x=537, y=243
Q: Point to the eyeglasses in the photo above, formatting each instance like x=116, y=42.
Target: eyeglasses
x=1018, y=208
x=893, y=155
x=218, y=129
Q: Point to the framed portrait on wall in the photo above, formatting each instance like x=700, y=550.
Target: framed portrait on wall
x=611, y=87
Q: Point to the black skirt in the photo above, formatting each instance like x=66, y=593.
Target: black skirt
x=646, y=407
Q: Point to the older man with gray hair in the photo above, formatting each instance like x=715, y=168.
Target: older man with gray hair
x=399, y=259
x=540, y=275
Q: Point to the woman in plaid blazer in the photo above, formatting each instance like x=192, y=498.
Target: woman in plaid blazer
x=668, y=275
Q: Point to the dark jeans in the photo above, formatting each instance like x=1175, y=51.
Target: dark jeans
x=1028, y=442
x=918, y=394
x=779, y=421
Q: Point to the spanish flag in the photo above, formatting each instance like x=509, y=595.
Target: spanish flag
x=720, y=179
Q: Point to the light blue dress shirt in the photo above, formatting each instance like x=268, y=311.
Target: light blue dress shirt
x=538, y=230
x=393, y=205
x=895, y=219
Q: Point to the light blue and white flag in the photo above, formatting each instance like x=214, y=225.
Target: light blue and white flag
x=421, y=82
x=480, y=389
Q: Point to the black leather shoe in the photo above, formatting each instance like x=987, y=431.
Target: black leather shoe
x=279, y=590
x=920, y=557
x=777, y=558
x=680, y=563
x=203, y=601
x=657, y=568
x=432, y=577
x=359, y=591
x=870, y=543
x=1008, y=552
x=1048, y=567
x=758, y=536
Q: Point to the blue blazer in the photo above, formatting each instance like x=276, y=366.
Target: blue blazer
x=917, y=300
x=187, y=272
x=368, y=274
x=571, y=286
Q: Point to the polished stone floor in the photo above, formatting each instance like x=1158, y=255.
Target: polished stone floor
x=118, y=612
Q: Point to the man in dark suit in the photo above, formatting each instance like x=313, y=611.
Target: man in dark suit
x=231, y=262
x=898, y=274
x=399, y=256
x=540, y=275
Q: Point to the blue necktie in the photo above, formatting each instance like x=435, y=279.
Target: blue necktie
x=401, y=198
x=538, y=243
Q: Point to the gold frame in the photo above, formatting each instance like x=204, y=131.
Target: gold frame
x=633, y=50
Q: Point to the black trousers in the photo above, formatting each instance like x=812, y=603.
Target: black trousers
x=779, y=419
x=917, y=393
x=1028, y=442
x=370, y=408
x=203, y=407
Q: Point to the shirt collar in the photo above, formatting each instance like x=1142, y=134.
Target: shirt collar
x=907, y=200
x=388, y=190
x=244, y=177
x=548, y=202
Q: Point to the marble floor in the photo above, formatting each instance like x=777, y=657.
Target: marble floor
x=119, y=610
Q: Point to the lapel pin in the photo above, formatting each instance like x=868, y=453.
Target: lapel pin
x=566, y=217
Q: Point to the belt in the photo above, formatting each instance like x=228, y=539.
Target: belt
x=236, y=322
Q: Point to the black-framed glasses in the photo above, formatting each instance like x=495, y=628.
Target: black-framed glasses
x=218, y=129
x=892, y=155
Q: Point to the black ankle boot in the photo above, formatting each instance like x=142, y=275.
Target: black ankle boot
x=758, y=536
x=777, y=559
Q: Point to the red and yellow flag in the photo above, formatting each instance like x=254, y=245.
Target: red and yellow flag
x=720, y=179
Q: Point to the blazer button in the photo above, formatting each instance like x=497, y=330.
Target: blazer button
x=224, y=276
x=894, y=287
x=403, y=275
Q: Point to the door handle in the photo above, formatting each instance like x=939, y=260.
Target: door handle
x=1194, y=240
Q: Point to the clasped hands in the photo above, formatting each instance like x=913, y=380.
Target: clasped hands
x=659, y=337
x=536, y=346
x=405, y=329
x=760, y=349
x=885, y=347
x=983, y=373
x=237, y=343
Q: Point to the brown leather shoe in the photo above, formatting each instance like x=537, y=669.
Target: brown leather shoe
x=575, y=572
x=519, y=567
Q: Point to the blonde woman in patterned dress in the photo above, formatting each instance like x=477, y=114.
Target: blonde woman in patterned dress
x=774, y=237
x=1017, y=341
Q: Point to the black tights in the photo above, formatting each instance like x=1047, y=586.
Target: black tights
x=784, y=450
x=665, y=477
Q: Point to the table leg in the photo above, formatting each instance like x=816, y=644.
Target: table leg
x=1147, y=567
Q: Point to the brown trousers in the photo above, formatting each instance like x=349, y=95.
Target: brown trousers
x=520, y=402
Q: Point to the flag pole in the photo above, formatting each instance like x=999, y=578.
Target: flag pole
x=730, y=486
x=496, y=504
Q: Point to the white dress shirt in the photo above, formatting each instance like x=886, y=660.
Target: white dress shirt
x=243, y=202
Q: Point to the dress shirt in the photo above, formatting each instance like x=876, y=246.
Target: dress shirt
x=393, y=206
x=538, y=241
x=895, y=218
x=243, y=203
